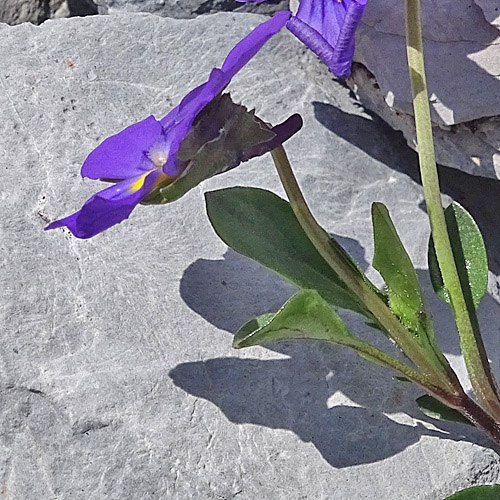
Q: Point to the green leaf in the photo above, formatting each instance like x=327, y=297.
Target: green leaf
x=262, y=226
x=470, y=257
x=255, y=324
x=305, y=316
x=439, y=411
x=395, y=266
x=490, y=492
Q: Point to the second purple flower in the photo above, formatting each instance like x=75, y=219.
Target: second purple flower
x=328, y=27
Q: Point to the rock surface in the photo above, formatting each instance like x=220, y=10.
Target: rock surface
x=473, y=147
x=491, y=11
x=118, y=380
x=462, y=50
x=37, y=11
x=21, y=11
x=193, y=8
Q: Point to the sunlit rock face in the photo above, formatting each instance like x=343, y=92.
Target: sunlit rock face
x=462, y=55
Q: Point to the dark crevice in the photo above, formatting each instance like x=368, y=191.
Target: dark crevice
x=211, y=6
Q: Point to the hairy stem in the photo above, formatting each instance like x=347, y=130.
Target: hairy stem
x=472, y=345
x=379, y=357
x=437, y=371
x=476, y=415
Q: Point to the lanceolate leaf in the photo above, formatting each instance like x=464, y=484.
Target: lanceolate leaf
x=262, y=226
x=439, y=411
x=487, y=492
x=403, y=288
x=305, y=316
x=394, y=264
x=470, y=257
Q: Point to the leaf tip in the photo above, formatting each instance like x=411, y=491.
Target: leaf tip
x=239, y=341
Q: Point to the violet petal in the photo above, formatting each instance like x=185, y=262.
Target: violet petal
x=328, y=28
x=108, y=207
x=123, y=155
x=252, y=43
x=178, y=122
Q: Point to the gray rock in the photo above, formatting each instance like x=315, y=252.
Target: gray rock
x=117, y=377
x=37, y=11
x=462, y=52
x=19, y=11
x=473, y=147
x=193, y=8
x=462, y=49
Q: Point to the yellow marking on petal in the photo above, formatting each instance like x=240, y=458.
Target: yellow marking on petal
x=136, y=185
x=161, y=181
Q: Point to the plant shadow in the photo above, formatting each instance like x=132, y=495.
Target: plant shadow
x=322, y=393
x=290, y=394
x=229, y=292
x=325, y=394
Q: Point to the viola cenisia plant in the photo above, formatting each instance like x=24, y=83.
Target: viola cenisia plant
x=158, y=161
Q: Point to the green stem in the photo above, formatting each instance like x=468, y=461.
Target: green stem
x=340, y=262
x=381, y=358
x=472, y=346
x=458, y=401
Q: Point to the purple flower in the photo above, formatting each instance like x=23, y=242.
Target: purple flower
x=143, y=157
x=327, y=27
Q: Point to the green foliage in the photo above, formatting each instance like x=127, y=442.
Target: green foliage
x=439, y=411
x=255, y=324
x=305, y=316
x=403, y=288
x=491, y=492
x=395, y=266
x=262, y=226
x=469, y=253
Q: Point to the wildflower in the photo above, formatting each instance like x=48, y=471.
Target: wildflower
x=150, y=159
x=327, y=27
